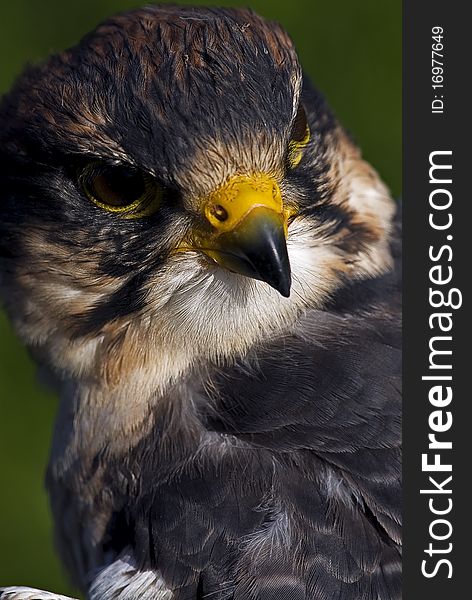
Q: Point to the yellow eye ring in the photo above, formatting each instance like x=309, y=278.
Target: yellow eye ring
x=299, y=137
x=120, y=190
x=295, y=149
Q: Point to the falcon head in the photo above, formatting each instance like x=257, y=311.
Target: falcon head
x=173, y=192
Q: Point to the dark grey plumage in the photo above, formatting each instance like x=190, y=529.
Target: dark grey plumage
x=214, y=440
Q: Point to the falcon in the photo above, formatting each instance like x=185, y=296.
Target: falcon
x=206, y=270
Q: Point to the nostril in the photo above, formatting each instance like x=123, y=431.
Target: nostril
x=219, y=212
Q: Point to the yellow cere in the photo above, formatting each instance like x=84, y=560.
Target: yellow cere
x=227, y=206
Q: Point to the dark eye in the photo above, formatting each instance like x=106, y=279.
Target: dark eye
x=299, y=137
x=122, y=190
x=300, y=126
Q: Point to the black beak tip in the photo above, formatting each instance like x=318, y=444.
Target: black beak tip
x=285, y=292
x=283, y=285
x=260, y=251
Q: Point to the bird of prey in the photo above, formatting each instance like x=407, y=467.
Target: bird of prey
x=206, y=269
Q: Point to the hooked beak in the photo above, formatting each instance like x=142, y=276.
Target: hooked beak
x=248, y=230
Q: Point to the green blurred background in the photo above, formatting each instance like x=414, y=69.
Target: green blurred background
x=352, y=51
